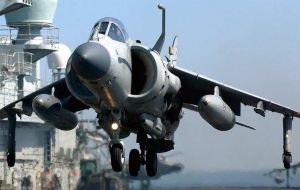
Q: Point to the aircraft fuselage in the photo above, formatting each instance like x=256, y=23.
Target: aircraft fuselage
x=121, y=80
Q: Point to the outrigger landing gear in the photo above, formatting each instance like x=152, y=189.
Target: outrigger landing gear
x=287, y=132
x=11, y=145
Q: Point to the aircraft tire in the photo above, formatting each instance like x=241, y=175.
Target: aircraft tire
x=117, y=158
x=134, y=162
x=287, y=159
x=11, y=159
x=151, y=163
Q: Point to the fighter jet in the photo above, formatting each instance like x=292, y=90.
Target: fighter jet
x=134, y=90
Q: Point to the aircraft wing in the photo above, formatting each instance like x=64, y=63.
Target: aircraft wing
x=58, y=89
x=194, y=86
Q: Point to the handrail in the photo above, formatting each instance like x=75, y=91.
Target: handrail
x=16, y=63
x=11, y=35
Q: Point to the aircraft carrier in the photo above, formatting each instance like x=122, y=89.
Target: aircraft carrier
x=44, y=155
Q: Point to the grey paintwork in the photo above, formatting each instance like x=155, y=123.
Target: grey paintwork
x=97, y=58
x=216, y=112
x=49, y=108
x=202, y=85
x=129, y=84
x=153, y=125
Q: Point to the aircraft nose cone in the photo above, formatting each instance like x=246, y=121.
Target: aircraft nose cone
x=90, y=60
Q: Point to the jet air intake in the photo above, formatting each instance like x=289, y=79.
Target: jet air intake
x=216, y=112
x=49, y=109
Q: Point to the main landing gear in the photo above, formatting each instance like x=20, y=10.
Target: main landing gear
x=147, y=157
x=136, y=160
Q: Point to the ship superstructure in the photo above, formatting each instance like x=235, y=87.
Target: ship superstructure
x=44, y=155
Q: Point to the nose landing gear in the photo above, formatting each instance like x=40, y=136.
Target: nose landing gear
x=117, y=157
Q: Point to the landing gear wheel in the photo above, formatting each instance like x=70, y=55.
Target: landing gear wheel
x=117, y=158
x=134, y=162
x=287, y=160
x=151, y=163
x=11, y=159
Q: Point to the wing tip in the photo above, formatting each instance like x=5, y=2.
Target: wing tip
x=297, y=114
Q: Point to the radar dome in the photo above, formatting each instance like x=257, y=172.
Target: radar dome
x=59, y=58
x=40, y=13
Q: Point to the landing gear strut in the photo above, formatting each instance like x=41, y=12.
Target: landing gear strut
x=287, y=130
x=11, y=144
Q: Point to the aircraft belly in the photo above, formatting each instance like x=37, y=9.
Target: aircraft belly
x=154, y=107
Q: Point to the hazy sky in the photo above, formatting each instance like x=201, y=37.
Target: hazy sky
x=251, y=44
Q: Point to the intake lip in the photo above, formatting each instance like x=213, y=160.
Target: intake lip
x=90, y=61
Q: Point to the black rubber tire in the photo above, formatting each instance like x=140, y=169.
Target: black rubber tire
x=116, y=158
x=287, y=159
x=151, y=163
x=134, y=162
x=11, y=159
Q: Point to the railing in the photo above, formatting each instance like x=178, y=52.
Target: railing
x=8, y=94
x=9, y=90
x=48, y=35
x=17, y=63
x=22, y=64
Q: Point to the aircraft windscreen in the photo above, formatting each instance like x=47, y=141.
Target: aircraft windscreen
x=103, y=27
x=111, y=27
x=115, y=33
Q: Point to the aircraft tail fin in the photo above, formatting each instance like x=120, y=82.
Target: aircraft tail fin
x=160, y=42
x=173, y=51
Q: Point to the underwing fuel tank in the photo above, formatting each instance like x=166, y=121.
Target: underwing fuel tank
x=216, y=112
x=49, y=109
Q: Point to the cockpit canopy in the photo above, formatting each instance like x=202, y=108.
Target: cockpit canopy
x=110, y=27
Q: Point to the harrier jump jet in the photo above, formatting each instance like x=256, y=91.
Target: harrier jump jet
x=133, y=90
